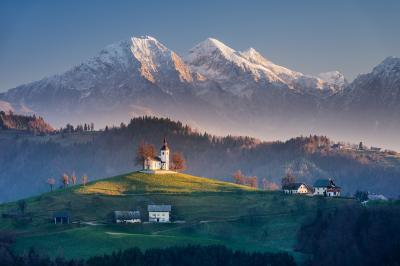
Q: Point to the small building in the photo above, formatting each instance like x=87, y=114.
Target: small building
x=327, y=188
x=297, y=188
x=159, y=162
x=127, y=217
x=159, y=213
x=61, y=217
x=337, y=146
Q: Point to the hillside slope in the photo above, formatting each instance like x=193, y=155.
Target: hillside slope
x=209, y=211
x=27, y=161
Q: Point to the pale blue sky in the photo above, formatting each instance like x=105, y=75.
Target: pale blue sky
x=39, y=38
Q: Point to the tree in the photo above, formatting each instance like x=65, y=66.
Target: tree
x=264, y=183
x=252, y=181
x=361, y=195
x=84, y=179
x=238, y=177
x=178, y=162
x=51, y=181
x=73, y=178
x=22, y=205
x=273, y=186
x=65, y=180
x=144, y=151
x=289, y=178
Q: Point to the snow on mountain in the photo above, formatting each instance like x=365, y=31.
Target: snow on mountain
x=240, y=72
x=216, y=88
x=379, y=90
x=334, y=77
x=155, y=58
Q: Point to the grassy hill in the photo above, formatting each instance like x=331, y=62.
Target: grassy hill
x=213, y=212
x=27, y=160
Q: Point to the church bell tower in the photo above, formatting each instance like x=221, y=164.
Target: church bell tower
x=164, y=156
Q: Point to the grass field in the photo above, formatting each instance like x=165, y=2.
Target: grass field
x=214, y=213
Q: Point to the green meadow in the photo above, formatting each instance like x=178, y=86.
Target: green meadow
x=208, y=212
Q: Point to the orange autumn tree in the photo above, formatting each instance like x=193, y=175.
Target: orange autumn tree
x=144, y=151
x=178, y=162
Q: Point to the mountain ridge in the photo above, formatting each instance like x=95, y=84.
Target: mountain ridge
x=215, y=88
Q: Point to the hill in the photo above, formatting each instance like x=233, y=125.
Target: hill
x=27, y=161
x=211, y=212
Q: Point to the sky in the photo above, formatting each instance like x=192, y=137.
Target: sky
x=40, y=38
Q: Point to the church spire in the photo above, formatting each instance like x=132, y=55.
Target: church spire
x=165, y=144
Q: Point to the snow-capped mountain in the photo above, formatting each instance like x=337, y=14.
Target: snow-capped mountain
x=215, y=88
x=376, y=94
x=334, y=77
x=242, y=72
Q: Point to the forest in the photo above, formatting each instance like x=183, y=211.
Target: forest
x=173, y=256
x=28, y=161
x=353, y=236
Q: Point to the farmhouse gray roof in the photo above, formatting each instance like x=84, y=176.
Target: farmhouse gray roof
x=61, y=214
x=159, y=208
x=126, y=215
x=292, y=186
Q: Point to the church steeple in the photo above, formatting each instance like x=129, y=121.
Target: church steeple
x=164, y=155
x=165, y=145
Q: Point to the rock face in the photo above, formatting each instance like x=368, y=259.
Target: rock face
x=215, y=88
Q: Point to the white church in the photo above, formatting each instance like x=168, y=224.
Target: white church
x=158, y=163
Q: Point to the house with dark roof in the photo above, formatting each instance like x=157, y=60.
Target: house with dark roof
x=297, y=188
x=327, y=188
x=127, y=217
x=159, y=213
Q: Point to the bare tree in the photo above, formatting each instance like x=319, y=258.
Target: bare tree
x=144, y=151
x=252, y=181
x=51, y=181
x=264, y=183
x=84, y=179
x=178, y=162
x=73, y=178
x=273, y=186
x=65, y=180
x=238, y=177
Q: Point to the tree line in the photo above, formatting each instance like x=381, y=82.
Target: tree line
x=66, y=180
x=352, y=236
x=172, y=256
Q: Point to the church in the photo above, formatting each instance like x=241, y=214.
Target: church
x=159, y=162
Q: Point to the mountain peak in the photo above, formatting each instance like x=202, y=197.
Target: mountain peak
x=209, y=46
x=334, y=77
x=389, y=65
x=256, y=57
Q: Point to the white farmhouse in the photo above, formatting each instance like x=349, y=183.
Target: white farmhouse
x=297, y=188
x=159, y=213
x=327, y=188
x=159, y=162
